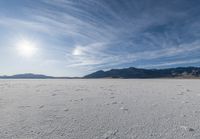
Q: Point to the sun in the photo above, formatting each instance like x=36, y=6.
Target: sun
x=26, y=48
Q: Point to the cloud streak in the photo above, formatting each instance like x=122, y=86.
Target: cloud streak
x=104, y=34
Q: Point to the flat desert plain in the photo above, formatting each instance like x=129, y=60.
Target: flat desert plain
x=100, y=109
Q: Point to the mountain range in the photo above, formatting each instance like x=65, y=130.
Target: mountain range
x=32, y=76
x=132, y=72
x=180, y=72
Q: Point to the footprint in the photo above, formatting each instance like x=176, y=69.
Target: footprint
x=42, y=106
x=197, y=111
x=181, y=93
x=154, y=105
x=115, y=102
x=54, y=94
x=191, y=129
x=184, y=127
x=37, y=90
x=76, y=100
x=57, y=90
x=124, y=109
x=110, y=134
x=188, y=90
x=187, y=128
x=23, y=107
x=185, y=102
x=183, y=115
x=66, y=110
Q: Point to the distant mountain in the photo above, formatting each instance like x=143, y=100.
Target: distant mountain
x=27, y=76
x=180, y=72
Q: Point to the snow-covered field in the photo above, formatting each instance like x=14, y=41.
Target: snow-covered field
x=100, y=109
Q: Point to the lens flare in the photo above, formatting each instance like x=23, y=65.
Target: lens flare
x=26, y=48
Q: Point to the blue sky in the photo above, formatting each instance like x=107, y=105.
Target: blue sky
x=76, y=37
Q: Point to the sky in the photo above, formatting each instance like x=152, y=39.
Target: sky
x=77, y=37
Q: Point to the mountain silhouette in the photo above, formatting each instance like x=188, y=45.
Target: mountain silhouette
x=27, y=76
x=180, y=72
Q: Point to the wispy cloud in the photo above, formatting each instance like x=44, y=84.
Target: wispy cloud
x=94, y=59
x=15, y=23
x=176, y=63
x=102, y=34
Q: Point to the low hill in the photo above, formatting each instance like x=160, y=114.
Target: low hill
x=27, y=76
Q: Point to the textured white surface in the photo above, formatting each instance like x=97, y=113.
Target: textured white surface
x=100, y=109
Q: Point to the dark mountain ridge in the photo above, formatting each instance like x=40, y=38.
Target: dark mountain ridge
x=180, y=72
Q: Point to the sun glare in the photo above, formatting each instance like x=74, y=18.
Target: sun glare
x=26, y=48
x=77, y=51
